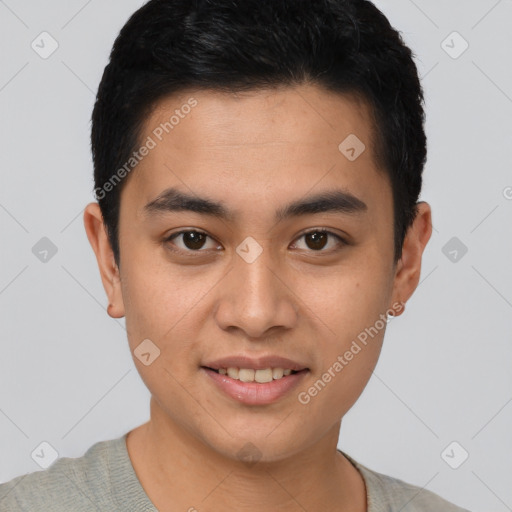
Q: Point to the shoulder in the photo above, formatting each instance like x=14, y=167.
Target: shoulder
x=385, y=493
x=78, y=484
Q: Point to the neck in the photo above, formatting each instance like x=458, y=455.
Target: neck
x=180, y=472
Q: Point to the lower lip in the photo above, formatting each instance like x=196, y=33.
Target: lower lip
x=254, y=393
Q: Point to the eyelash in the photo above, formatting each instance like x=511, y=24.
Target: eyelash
x=171, y=237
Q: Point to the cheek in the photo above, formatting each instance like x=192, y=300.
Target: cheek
x=348, y=358
x=162, y=307
x=349, y=310
x=158, y=298
x=347, y=299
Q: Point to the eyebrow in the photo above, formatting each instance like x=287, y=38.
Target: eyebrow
x=174, y=200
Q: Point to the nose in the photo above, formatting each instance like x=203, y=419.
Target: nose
x=256, y=298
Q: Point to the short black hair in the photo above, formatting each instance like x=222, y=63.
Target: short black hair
x=344, y=46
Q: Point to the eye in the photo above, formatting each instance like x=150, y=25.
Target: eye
x=318, y=239
x=192, y=240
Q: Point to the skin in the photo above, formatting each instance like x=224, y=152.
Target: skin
x=254, y=153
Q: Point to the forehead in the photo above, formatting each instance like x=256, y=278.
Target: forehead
x=270, y=143
x=307, y=114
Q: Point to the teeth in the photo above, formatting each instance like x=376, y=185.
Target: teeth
x=277, y=373
x=233, y=373
x=263, y=376
x=250, y=375
x=246, y=375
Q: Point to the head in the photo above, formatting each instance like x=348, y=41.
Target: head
x=286, y=138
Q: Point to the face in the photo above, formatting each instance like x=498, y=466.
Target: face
x=250, y=239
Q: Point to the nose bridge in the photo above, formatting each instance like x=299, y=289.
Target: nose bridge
x=253, y=299
x=258, y=287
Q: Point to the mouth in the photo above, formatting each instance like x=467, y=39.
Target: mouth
x=255, y=381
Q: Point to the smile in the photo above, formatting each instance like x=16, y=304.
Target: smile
x=251, y=375
x=255, y=387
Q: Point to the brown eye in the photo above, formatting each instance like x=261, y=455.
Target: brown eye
x=194, y=239
x=317, y=240
x=191, y=240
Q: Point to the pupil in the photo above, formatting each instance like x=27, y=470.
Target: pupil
x=318, y=240
x=193, y=239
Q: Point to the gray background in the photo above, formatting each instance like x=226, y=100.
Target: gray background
x=66, y=375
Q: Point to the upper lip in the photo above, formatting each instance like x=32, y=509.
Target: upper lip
x=256, y=363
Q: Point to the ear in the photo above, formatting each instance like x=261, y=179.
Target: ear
x=408, y=268
x=109, y=271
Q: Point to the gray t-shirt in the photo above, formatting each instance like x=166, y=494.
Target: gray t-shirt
x=104, y=479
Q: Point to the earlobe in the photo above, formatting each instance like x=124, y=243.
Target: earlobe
x=408, y=268
x=109, y=271
x=115, y=311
